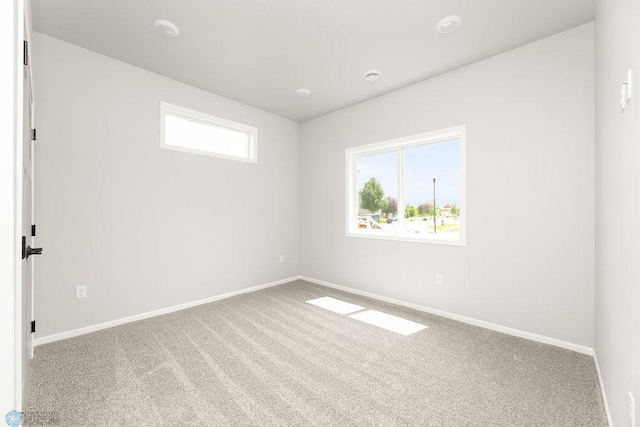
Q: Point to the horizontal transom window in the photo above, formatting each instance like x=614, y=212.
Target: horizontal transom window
x=199, y=133
x=410, y=189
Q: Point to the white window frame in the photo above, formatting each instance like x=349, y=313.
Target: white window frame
x=208, y=119
x=397, y=145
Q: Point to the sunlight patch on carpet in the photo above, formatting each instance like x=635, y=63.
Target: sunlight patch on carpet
x=389, y=322
x=335, y=305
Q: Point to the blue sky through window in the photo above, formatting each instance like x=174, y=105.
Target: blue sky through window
x=422, y=163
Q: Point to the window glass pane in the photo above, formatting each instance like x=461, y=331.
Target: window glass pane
x=423, y=164
x=377, y=187
x=182, y=132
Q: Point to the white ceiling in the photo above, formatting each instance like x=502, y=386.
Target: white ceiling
x=260, y=51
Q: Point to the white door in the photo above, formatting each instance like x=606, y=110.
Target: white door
x=27, y=232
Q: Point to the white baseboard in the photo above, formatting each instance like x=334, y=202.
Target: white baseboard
x=602, y=390
x=116, y=322
x=481, y=323
x=487, y=325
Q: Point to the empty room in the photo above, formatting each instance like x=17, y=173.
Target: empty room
x=320, y=213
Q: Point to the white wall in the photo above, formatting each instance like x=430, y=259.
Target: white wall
x=143, y=227
x=530, y=153
x=122, y=216
x=617, y=310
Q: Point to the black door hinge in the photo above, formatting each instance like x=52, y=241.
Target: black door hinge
x=33, y=326
x=33, y=230
x=33, y=134
x=25, y=53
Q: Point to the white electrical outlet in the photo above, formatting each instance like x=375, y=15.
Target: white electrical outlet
x=439, y=279
x=81, y=291
x=281, y=258
x=632, y=410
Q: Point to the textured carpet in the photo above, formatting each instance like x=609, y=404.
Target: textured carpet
x=269, y=358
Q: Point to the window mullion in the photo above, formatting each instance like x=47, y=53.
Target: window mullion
x=400, y=213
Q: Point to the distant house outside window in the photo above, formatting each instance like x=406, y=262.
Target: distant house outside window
x=409, y=189
x=195, y=132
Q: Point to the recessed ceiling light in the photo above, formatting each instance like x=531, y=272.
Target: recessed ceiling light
x=166, y=28
x=303, y=92
x=449, y=24
x=372, y=76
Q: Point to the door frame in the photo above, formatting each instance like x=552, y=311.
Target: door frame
x=15, y=17
x=23, y=331
x=26, y=325
x=32, y=125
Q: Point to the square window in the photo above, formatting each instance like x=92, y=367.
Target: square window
x=410, y=189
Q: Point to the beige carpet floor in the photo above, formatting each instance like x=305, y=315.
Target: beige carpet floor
x=269, y=358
